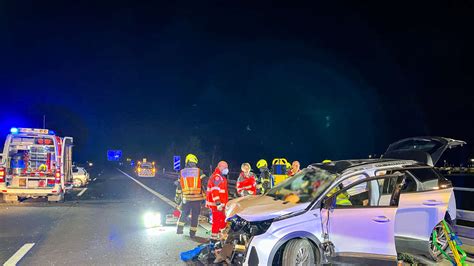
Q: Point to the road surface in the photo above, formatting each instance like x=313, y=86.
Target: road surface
x=102, y=225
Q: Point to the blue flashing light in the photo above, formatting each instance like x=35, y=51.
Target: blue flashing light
x=13, y=130
x=51, y=132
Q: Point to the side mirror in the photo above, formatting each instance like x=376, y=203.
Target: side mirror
x=329, y=203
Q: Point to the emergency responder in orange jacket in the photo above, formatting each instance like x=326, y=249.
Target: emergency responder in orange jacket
x=190, y=187
x=217, y=197
x=246, y=183
x=295, y=168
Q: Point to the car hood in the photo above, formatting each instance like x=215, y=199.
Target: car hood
x=259, y=208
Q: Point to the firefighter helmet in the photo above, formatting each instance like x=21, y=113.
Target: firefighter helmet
x=261, y=163
x=191, y=158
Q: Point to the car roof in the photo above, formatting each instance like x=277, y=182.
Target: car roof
x=338, y=167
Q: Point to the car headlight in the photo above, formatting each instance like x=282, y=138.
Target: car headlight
x=258, y=228
x=251, y=228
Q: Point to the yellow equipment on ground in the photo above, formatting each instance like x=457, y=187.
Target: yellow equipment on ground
x=458, y=254
x=279, y=169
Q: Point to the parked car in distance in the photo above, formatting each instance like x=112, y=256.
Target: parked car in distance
x=80, y=177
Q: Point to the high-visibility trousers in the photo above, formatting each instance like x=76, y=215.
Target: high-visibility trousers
x=218, y=222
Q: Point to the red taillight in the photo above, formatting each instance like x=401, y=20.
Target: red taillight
x=2, y=174
x=57, y=177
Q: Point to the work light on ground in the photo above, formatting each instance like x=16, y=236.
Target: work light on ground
x=152, y=219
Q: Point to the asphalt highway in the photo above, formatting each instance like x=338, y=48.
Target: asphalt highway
x=97, y=226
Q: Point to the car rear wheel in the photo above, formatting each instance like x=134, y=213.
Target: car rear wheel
x=441, y=240
x=299, y=252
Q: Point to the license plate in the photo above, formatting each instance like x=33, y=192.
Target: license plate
x=22, y=182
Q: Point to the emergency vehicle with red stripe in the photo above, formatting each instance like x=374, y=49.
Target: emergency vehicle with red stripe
x=35, y=163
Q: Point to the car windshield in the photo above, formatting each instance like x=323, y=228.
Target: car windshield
x=304, y=186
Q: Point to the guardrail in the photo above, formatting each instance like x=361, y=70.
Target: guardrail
x=464, y=193
x=231, y=181
x=231, y=178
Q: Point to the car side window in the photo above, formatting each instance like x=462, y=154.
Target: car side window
x=409, y=185
x=372, y=193
x=428, y=178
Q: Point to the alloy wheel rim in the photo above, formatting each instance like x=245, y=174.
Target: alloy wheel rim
x=440, y=239
x=302, y=256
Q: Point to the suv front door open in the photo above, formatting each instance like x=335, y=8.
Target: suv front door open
x=361, y=226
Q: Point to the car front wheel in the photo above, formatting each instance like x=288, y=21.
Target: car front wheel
x=299, y=252
x=441, y=240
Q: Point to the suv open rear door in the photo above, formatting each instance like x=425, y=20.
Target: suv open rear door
x=423, y=149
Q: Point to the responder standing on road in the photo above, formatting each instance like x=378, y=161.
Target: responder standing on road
x=246, y=183
x=191, y=184
x=265, y=180
x=295, y=168
x=217, y=197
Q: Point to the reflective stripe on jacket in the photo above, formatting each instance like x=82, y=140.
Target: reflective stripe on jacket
x=217, y=190
x=191, y=186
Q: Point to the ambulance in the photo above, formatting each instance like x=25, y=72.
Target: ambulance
x=35, y=163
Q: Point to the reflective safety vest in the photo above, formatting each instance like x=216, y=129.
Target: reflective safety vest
x=190, y=180
x=343, y=199
x=266, y=181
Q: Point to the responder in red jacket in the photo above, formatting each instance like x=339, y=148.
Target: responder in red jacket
x=246, y=183
x=217, y=197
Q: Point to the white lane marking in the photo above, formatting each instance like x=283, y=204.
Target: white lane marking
x=94, y=179
x=19, y=254
x=163, y=198
x=82, y=192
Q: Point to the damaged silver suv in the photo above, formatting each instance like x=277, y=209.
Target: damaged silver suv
x=357, y=211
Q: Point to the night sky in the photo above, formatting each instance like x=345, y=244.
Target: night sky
x=238, y=81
